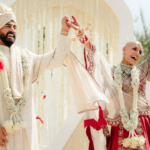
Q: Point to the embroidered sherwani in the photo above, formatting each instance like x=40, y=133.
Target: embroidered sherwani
x=27, y=139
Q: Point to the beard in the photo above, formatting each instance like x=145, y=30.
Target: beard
x=7, y=41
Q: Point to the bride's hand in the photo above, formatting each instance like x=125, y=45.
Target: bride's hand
x=74, y=24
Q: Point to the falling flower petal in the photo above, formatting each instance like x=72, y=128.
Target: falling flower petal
x=39, y=119
x=44, y=96
x=1, y=66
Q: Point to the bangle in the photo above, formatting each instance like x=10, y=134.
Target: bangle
x=81, y=34
x=64, y=32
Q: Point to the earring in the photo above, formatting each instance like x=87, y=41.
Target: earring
x=123, y=57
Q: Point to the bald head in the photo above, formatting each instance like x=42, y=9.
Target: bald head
x=134, y=44
x=132, y=52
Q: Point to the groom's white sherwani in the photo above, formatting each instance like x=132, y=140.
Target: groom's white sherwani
x=27, y=139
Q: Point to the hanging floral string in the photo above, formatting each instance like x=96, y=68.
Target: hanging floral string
x=15, y=123
x=130, y=121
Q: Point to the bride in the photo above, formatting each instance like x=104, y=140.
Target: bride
x=124, y=85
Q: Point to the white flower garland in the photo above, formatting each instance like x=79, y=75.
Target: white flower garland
x=130, y=122
x=15, y=123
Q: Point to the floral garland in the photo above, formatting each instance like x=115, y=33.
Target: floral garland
x=130, y=121
x=15, y=123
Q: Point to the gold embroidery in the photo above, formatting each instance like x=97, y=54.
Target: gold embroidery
x=139, y=124
x=139, y=130
x=105, y=131
x=145, y=111
x=121, y=126
x=142, y=147
x=113, y=122
x=120, y=141
x=120, y=132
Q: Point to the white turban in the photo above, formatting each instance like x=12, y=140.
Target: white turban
x=6, y=15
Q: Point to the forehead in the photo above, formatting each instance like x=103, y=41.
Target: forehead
x=136, y=44
x=11, y=23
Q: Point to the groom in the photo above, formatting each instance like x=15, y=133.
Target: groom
x=20, y=65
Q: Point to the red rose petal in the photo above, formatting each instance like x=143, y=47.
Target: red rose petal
x=44, y=96
x=39, y=119
x=1, y=66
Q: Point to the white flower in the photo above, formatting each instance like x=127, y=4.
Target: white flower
x=23, y=124
x=141, y=141
x=126, y=142
x=8, y=125
x=133, y=146
x=11, y=127
x=17, y=126
x=134, y=142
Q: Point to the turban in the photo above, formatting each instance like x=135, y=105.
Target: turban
x=6, y=15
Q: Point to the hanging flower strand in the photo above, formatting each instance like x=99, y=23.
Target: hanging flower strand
x=15, y=123
x=130, y=121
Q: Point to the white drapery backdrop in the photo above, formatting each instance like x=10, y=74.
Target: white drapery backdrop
x=39, y=25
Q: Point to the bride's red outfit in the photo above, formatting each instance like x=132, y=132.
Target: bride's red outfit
x=118, y=133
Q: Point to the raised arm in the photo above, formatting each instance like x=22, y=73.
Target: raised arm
x=89, y=52
x=145, y=66
x=54, y=58
x=89, y=47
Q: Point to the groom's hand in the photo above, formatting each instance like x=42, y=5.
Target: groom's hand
x=3, y=139
x=65, y=21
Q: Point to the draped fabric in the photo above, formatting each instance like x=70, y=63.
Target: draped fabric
x=86, y=91
x=38, y=30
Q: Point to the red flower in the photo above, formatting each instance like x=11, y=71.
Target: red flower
x=44, y=96
x=1, y=66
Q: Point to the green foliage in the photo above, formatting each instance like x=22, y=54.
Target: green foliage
x=144, y=38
